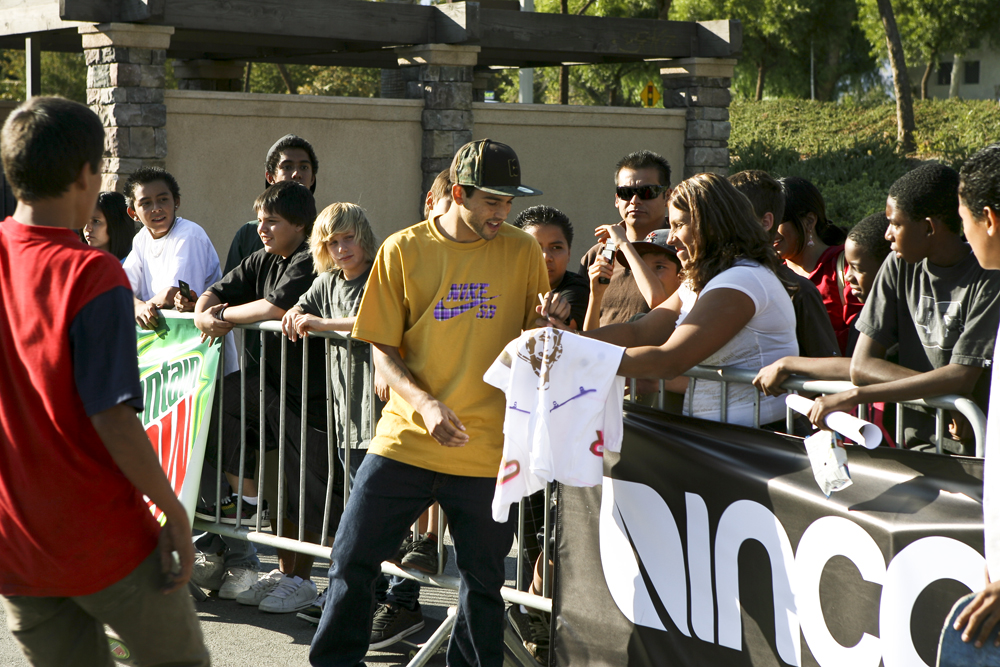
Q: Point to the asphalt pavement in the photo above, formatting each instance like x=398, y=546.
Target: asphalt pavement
x=242, y=636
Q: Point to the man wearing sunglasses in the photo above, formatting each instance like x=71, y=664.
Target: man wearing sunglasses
x=642, y=181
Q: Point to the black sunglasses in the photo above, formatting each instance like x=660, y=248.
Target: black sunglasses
x=625, y=193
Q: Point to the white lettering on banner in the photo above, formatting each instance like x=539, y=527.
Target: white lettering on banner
x=700, y=558
x=825, y=538
x=654, y=530
x=909, y=573
x=637, y=527
x=747, y=520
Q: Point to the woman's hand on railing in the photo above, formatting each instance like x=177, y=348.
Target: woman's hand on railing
x=770, y=378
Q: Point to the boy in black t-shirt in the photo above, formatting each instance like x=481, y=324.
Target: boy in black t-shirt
x=263, y=287
x=931, y=297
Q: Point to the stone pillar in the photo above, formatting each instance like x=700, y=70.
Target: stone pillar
x=224, y=75
x=125, y=82
x=441, y=75
x=701, y=85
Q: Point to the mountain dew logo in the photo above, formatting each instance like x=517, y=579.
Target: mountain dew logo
x=166, y=386
x=177, y=372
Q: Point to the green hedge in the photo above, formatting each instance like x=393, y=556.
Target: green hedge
x=848, y=150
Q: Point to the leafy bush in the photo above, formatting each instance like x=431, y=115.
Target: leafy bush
x=848, y=149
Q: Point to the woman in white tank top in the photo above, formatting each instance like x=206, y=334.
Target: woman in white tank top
x=732, y=310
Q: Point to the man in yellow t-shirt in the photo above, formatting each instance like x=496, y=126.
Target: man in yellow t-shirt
x=443, y=299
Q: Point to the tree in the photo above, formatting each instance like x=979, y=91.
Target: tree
x=932, y=28
x=905, y=125
x=63, y=74
x=766, y=34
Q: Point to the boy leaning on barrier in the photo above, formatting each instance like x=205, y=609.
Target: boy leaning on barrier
x=931, y=297
x=263, y=287
x=979, y=206
x=69, y=392
x=443, y=299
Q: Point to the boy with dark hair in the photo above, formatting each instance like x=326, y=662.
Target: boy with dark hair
x=979, y=207
x=642, y=187
x=290, y=158
x=865, y=249
x=554, y=233
x=813, y=330
x=263, y=287
x=69, y=391
x=166, y=250
x=438, y=199
x=932, y=298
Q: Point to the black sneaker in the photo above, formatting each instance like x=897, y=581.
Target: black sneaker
x=533, y=629
x=404, y=549
x=312, y=614
x=228, y=514
x=423, y=556
x=392, y=623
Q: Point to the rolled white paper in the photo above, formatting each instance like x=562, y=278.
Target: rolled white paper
x=864, y=433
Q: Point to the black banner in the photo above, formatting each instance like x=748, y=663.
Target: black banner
x=712, y=545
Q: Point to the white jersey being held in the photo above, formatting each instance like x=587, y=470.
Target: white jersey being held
x=563, y=410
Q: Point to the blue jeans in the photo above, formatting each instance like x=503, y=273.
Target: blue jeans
x=237, y=553
x=388, y=497
x=400, y=590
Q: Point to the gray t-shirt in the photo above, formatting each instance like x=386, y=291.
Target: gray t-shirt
x=938, y=315
x=333, y=297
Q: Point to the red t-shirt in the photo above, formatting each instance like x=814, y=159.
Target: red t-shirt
x=841, y=305
x=70, y=522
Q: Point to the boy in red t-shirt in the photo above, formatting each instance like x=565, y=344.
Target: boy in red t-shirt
x=69, y=435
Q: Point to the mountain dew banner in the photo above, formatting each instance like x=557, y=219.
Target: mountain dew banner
x=178, y=373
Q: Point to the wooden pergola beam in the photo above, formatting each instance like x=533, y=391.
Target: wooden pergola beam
x=358, y=33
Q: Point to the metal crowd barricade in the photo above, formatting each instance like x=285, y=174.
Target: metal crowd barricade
x=727, y=375
x=518, y=595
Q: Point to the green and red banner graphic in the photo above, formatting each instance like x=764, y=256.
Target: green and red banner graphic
x=178, y=373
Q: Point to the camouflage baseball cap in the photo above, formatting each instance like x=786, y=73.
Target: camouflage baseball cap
x=491, y=167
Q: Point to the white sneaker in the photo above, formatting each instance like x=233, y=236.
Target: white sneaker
x=292, y=594
x=235, y=581
x=208, y=571
x=260, y=590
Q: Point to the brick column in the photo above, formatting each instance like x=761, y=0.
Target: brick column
x=125, y=82
x=441, y=75
x=701, y=85
x=224, y=75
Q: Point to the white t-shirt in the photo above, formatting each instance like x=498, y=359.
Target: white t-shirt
x=185, y=253
x=767, y=337
x=991, y=476
x=564, y=409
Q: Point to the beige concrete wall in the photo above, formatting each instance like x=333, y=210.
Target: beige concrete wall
x=368, y=152
x=570, y=154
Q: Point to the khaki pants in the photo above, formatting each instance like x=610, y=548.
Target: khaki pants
x=158, y=629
